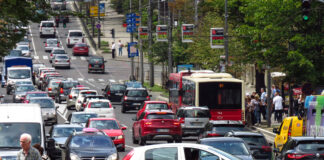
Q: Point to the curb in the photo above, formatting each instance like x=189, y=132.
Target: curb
x=264, y=131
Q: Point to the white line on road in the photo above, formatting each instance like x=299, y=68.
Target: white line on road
x=83, y=58
x=45, y=57
x=91, y=80
x=101, y=80
x=129, y=146
x=80, y=79
x=36, y=57
x=73, y=58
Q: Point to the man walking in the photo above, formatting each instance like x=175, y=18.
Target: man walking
x=113, y=49
x=263, y=105
x=120, y=48
x=27, y=152
x=277, y=102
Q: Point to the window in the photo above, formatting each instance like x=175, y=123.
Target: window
x=65, y=132
x=75, y=34
x=189, y=95
x=196, y=113
x=44, y=103
x=170, y=153
x=99, y=105
x=91, y=142
x=137, y=93
x=117, y=87
x=232, y=147
x=254, y=140
x=104, y=124
x=50, y=24
x=197, y=154
x=19, y=74
x=160, y=116
x=156, y=106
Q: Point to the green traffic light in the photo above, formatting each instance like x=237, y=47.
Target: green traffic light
x=305, y=18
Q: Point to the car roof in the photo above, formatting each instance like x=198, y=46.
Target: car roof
x=67, y=125
x=194, y=107
x=153, y=102
x=246, y=133
x=157, y=111
x=15, y=112
x=51, y=39
x=220, y=139
x=24, y=45
x=46, y=21
x=83, y=113
x=25, y=85
x=57, y=48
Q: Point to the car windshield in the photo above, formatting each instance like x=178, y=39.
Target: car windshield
x=10, y=133
x=25, y=88
x=65, y=131
x=232, y=147
x=76, y=90
x=99, y=105
x=160, y=116
x=134, y=84
x=30, y=95
x=104, y=124
x=48, y=24
x=52, y=41
x=19, y=74
x=15, y=53
x=59, y=51
x=54, y=84
x=156, y=106
x=91, y=141
x=196, y=113
x=254, y=140
x=80, y=45
x=75, y=34
x=70, y=85
x=89, y=93
x=23, y=82
x=82, y=118
x=61, y=57
x=137, y=93
x=24, y=48
x=96, y=60
x=224, y=129
x=118, y=88
x=311, y=146
x=44, y=103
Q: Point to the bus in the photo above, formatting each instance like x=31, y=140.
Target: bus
x=220, y=92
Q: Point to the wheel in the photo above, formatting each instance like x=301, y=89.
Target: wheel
x=123, y=110
x=142, y=141
x=178, y=140
x=133, y=137
x=170, y=141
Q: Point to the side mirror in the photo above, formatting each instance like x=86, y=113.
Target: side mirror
x=275, y=130
x=114, y=107
x=270, y=144
x=124, y=128
x=44, y=42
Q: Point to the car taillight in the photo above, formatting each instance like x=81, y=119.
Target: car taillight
x=83, y=105
x=110, y=106
x=129, y=155
x=125, y=98
x=267, y=148
x=289, y=131
x=181, y=120
x=212, y=135
x=108, y=93
x=297, y=156
x=27, y=101
x=56, y=60
x=70, y=96
x=49, y=89
x=58, y=44
x=45, y=44
x=54, y=29
x=176, y=123
x=51, y=55
x=148, y=123
x=102, y=66
x=61, y=90
x=148, y=98
x=68, y=61
x=89, y=65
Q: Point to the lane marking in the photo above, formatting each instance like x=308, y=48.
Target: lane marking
x=83, y=58
x=36, y=57
x=45, y=57
x=101, y=80
x=73, y=58
x=91, y=80
x=80, y=79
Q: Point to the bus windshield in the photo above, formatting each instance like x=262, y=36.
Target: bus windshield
x=220, y=95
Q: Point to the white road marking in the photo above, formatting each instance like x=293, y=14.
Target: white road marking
x=101, y=80
x=45, y=57
x=71, y=79
x=73, y=58
x=80, y=79
x=112, y=80
x=129, y=146
x=91, y=80
x=36, y=57
x=83, y=58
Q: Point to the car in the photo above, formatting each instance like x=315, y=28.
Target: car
x=51, y=87
x=80, y=49
x=80, y=118
x=134, y=98
x=9, y=88
x=24, y=41
x=82, y=94
x=63, y=90
x=88, y=98
x=48, y=109
x=34, y=94
x=36, y=66
x=52, y=43
x=73, y=95
x=58, y=134
x=302, y=147
x=112, y=128
x=58, y=4
x=114, y=91
x=156, y=125
x=134, y=84
x=47, y=28
x=73, y=37
x=47, y=77
x=39, y=75
x=15, y=53
x=56, y=51
x=193, y=119
x=257, y=143
x=102, y=107
x=152, y=105
x=178, y=151
x=218, y=128
x=97, y=64
x=62, y=61
x=234, y=146
x=26, y=51
x=20, y=92
x=89, y=144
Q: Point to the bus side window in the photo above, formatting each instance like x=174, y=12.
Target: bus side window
x=322, y=112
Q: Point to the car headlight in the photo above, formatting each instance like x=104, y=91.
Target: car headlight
x=120, y=137
x=18, y=96
x=113, y=157
x=74, y=156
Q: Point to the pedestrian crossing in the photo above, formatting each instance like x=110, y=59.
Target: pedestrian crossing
x=82, y=58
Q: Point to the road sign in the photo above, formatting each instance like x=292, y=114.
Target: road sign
x=132, y=50
x=98, y=26
x=182, y=67
x=143, y=33
x=94, y=10
x=217, y=37
x=132, y=21
x=161, y=33
x=187, y=33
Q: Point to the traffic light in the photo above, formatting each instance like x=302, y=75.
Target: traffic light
x=306, y=8
x=112, y=31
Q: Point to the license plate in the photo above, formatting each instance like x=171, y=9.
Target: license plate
x=81, y=49
x=76, y=39
x=96, y=65
x=119, y=94
x=162, y=130
x=196, y=123
x=137, y=104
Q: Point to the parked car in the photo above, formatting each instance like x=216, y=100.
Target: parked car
x=33, y=94
x=82, y=94
x=112, y=128
x=73, y=95
x=156, y=125
x=74, y=37
x=48, y=109
x=234, y=146
x=63, y=90
x=257, y=143
x=20, y=92
x=80, y=118
x=80, y=49
x=219, y=128
x=97, y=64
x=47, y=28
x=62, y=61
x=153, y=105
x=26, y=51
x=102, y=107
x=193, y=119
x=52, y=43
x=56, y=51
x=134, y=98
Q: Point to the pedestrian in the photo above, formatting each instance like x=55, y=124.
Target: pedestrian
x=256, y=105
x=57, y=21
x=252, y=109
x=277, y=102
x=113, y=49
x=120, y=48
x=296, y=105
x=248, y=112
x=263, y=103
x=41, y=151
x=64, y=22
x=27, y=152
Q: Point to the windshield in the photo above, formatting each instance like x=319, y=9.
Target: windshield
x=196, y=113
x=68, y=85
x=52, y=41
x=19, y=74
x=310, y=146
x=82, y=118
x=30, y=95
x=65, y=132
x=134, y=84
x=235, y=148
x=224, y=95
x=25, y=88
x=137, y=93
x=58, y=51
x=23, y=48
x=48, y=24
x=23, y=82
x=104, y=124
x=61, y=57
x=254, y=140
x=75, y=34
x=99, y=105
x=91, y=141
x=10, y=133
x=15, y=53
x=156, y=106
x=160, y=116
x=44, y=103
x=118, y=88
x=96, y=60
x=81, y=45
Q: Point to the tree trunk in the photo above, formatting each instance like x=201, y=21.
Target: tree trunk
x=259, y=80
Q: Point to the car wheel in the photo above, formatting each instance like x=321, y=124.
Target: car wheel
x=170, y=141
x=134, y=140
x=178, y=140
x=142, y=141
x=123, y=110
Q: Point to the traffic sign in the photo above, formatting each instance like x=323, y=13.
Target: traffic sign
x=132, y=21
x=98, y=26
x=132, y=50
x=143, y=33
x=94, y=10
x=187, y=33
x=161, y=33
x=217, y=37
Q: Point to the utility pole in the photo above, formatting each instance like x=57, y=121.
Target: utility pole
x=141, y=45
x=150, y=43
x=170, y=24
x=99, y=24
x=226, y=36
x=131, y=40
x=158, y=11
x=196, y=13
x=268, y=96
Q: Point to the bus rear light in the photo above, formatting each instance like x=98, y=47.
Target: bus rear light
x=89, y=65
x=176, y=123
x=45, y=44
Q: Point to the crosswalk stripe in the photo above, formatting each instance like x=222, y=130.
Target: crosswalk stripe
x=73, y=58
x=45, y=57
x=91, y=80
x=71, y=79
x=83, y=58
x=101, y=80
x=80, y=79
x=36, y=57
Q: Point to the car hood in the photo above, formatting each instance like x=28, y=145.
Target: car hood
x=245, y=157
x=113, y=132
x=60, y=140
x=94, y=152
x=9, y=154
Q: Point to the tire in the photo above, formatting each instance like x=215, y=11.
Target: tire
x=178, y=140
x=142, y=141
x=133, y=138
x=123, y=109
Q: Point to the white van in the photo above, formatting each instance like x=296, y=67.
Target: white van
x=73, y=37
x=16, y=119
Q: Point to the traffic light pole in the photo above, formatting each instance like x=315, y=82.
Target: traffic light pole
x=99, y=23
x=131, y=40
x=226, y=36
x=150, y=43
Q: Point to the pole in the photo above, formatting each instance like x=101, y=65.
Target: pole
x=99, y=23
x=170, y=68
x=131, y=40
x=269, y=97
x=196, y=13
x=226, y=36
x=141, y=45
x=150, y=43
x=159, y=12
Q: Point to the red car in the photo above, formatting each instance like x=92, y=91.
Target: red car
x=153, y=105
x=34, y=94
x=112, y=128
x=80, y=49
x=157, y=125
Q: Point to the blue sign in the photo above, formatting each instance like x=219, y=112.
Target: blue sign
x=132, y=50
x=184, y=67
x=131, y=22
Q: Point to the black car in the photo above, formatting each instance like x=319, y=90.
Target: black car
x=134, y=98
x=97, y=64
x=256, y=141
x=114, y=91
x=220, y=127
x=57, y=136
x=303, y=148
x=89, y=144
x=63, y=90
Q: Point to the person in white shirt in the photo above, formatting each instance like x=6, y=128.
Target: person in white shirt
x=113, y=49
x=277, y=102
x=120, y=48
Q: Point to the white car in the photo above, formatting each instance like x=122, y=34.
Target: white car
x=47, y=28
x=51, y=43
x=73, y=37
x=81, y=96
x=178, y=151
x=61, y=61
x=24, y=49
x=102, y=107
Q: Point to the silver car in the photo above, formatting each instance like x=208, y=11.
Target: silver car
x=73, y=95
x=25, y=50
x=20, y=92
x=56, y=51
x=51, y=88
x=51, y=43
x=61, y=61
x=193, y=119
x=48, y=109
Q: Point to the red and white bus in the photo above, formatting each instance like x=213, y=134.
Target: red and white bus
x=220, y=92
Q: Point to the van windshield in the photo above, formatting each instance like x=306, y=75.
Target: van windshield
x=19, y=74
x=10, y=133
